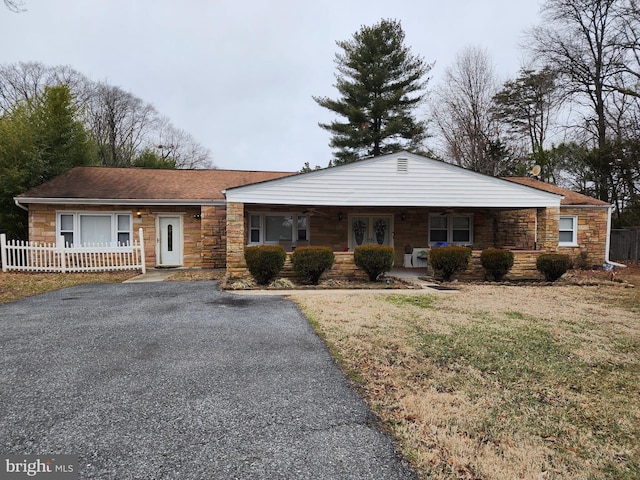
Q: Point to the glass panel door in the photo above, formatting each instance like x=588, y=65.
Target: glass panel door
x=359, y=231
x=370, y=229
x=381, y=230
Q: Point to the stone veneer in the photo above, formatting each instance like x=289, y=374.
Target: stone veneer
x=218, y=238
x=42, y=226
x=592, y=238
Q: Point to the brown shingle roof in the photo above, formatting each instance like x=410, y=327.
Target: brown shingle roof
x=570, y=197
x=146, y=184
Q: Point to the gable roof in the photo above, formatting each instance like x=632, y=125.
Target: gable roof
x=100, y=185
x=399, y=179
x=570, y=197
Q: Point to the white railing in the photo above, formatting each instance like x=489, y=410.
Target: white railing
x=48, y=257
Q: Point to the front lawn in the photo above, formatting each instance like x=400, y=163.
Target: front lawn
x=497, y=382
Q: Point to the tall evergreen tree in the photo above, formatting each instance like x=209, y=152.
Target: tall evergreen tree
x=381, y=83
x=39, y=139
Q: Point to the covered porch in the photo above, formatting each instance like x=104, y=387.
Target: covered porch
x=411, y=231
x=403, y=200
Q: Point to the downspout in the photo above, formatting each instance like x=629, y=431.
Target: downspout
x=608, y=242
x=19, y=205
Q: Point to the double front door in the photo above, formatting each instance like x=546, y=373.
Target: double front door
x=369, y=229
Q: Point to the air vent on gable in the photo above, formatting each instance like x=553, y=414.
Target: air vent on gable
x=403, y=165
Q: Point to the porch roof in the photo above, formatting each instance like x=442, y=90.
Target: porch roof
x=399, y=179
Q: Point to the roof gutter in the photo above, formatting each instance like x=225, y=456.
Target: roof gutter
x=608, y=242
x=19, y=205
x=114, y=201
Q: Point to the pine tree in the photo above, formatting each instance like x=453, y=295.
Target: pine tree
x=381, y=83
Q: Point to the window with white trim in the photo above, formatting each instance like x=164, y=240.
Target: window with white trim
x=89, y=228
x=452, y=229
x=568, y=231
x=276, y=228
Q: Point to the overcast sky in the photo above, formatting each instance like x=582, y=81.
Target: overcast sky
x=239, y=76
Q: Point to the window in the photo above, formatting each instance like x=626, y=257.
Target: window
x=66, y=228
x=568, y=235
x=84, y=228
x=278, y=228
x=275, y=228
x=453, y=229
x=438, y=229
x=461, y=230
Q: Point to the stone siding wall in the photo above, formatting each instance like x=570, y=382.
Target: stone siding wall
x=236, y=240
x=42, y=226
x=592, y=235
x=524, y=267
x=515, y=229
x=214, y=236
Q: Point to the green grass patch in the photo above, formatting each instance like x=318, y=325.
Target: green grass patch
x=420, y=301
x=512, y=351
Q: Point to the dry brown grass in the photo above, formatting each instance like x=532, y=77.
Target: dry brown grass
x=196, y=274
x=497, y=382
x=14, y=285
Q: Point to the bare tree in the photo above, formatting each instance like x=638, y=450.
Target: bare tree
x=462, y=111
x=628, y=24
x=15, y=5
x=119, y=122
x=180, y=147
x=582, y=41
x=25, y=81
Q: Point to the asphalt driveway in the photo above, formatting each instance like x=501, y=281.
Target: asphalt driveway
x=181, y=381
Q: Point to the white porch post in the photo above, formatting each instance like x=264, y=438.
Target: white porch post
x=142, y=258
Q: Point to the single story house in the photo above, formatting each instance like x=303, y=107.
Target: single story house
x=206, y=218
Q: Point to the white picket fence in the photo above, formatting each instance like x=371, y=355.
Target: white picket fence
x=47, y=257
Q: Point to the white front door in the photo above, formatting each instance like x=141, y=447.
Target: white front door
x=170, y=241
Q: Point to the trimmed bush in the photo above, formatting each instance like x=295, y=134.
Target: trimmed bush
x=374, y=259
x=265, y=262
x=449, y=260
x=497, y=262
x=312, y=262
x=553, y=265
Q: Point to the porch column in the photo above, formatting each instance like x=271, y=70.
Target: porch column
x=236, y=239
x=548, y=228
x=214, y=236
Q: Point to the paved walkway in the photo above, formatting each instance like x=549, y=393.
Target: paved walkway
x=153, y=275
x=416, y=276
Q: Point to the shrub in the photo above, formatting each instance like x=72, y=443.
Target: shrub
x=496, y=262
x=553, y=265
x=264, y=262
x=449, y=260
x=374, y=259
x=311, y=262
